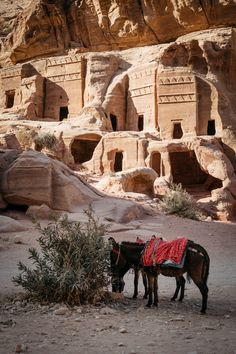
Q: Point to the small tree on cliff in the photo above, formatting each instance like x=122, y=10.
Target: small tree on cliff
x=72, y=265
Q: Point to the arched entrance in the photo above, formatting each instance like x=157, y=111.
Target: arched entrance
x=83, y=147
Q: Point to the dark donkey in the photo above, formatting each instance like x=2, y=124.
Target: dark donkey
x=196, y=265
x=128, y=255
x=123, y=257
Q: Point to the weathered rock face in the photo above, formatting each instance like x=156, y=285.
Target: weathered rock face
x=54, y=26
x=35, y=179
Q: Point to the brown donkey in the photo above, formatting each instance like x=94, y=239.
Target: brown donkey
x=196, y=265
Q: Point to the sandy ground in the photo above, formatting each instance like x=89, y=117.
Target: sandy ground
x=127, y=326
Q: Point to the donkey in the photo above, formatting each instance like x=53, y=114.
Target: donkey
x=120, y=265
x=127, y=255
x=196, y=265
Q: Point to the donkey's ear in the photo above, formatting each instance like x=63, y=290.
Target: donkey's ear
x=112, y=241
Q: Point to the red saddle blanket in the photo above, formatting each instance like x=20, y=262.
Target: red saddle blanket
x=158, y=251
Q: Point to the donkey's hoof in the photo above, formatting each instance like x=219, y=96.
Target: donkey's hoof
x=148, y=305
x=173, y=299
x=180, y=300
x=203, y=312
x=155, y=303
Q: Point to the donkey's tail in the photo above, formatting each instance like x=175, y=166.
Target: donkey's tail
x=203, y=252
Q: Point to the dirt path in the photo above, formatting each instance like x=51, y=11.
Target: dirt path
x=127, y=326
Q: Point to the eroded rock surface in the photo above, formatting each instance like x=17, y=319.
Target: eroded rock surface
x=35, y=179
x=45, y=27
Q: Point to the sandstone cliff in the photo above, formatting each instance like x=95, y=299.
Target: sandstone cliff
x=44, y=27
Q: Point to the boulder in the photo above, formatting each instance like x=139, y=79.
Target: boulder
x=35, y=179
x=10, y=225
x=161, y=186
x=224, y=203
x=135, y=180
x=118, y=210
x=41, y=212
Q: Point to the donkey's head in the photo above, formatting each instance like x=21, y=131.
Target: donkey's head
x=117, y=266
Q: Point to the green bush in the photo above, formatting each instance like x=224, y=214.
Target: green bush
x=45, y=140
x=178, y=201
x=72, y=265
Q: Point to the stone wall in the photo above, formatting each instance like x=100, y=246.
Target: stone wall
x=10, y=83
x=177, y=104
x=142, y=99
x=50, y=89
x=64, y=87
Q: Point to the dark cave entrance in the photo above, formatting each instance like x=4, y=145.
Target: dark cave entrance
x=211, y=128
x=177, y=131
x=118, y=165
x=113, y=122
x=10, y=97
x=140, y=122
x=156, y=162
x=187, y=171
x=82, y=148
x=63, y=112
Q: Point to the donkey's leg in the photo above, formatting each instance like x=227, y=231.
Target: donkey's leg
x=121, y=285
x=136, y=278
x=174, y=297
x=144, y=275
x=204, y=291
x=182, y=282
x=150, y=288
x=155, y=303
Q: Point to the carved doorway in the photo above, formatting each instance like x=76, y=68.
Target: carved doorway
x=10, y=96
x=83, y=147
x=156, y=162
x=63, y=112
x=140, y=122
x=177, y=131
x=113, y=122
x=118, y=165
x=211, y=129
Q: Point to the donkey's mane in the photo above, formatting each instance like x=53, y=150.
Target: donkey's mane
x=130, y=243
